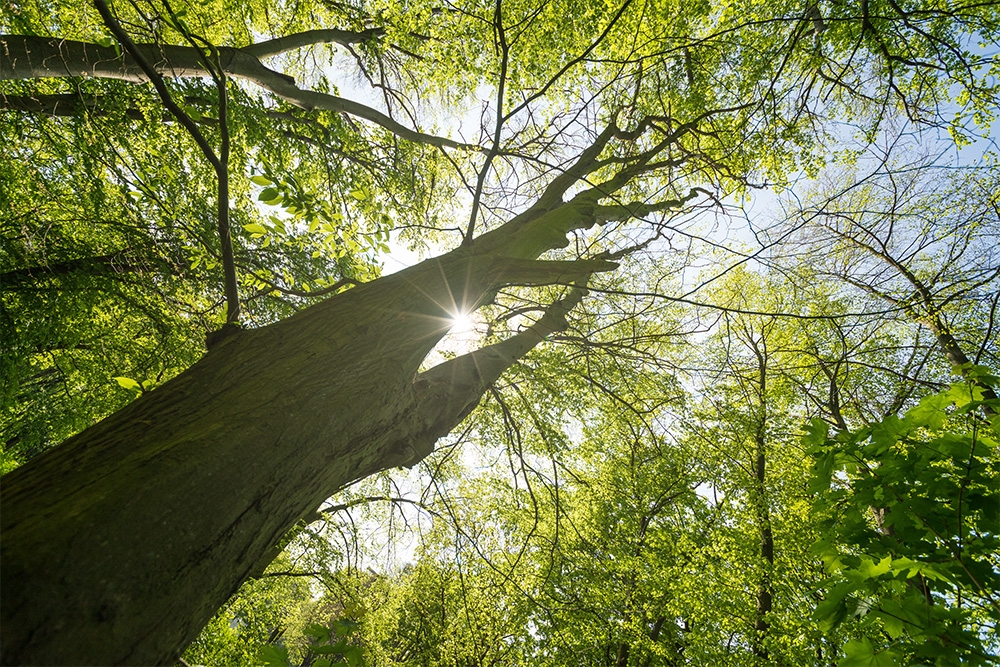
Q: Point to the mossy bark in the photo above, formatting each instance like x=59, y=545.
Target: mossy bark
x=120, y=544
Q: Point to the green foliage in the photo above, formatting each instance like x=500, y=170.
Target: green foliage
x=110, y=258
x=613, y=494
x=328, y=646
x=911, y=525
x=247, y=622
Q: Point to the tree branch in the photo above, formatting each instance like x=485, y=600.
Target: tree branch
x=219, y=162
x=273, y=47
x=501, y=40
x=31, y=57
x=446, y=394
x=122, y=261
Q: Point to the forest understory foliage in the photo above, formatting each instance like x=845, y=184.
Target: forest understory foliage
x=695, y=361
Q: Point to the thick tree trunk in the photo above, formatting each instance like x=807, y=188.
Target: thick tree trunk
x=120, y=544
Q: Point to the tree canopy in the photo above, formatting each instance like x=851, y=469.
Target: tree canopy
x=726, y=389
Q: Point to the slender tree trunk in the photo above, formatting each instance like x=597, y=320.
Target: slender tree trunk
x=765, y=588
x=765, y=592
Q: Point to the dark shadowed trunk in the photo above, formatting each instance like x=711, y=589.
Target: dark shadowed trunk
x=765, y=588
x=119, y=545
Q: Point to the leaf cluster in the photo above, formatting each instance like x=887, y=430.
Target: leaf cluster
x=911, y=518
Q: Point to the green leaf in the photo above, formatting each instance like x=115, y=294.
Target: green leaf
x=817, y=433
x=869, y=569
x=261, y=180
x=982, y=374
x=822, y=476
x=318, y=632
x=934, y=572
x=273, y=656
x=341, y=647
x=353, y=655
x=904, y=563
x=962, y=393
x=861, y=653
x=930, y=412
x=345, y=627
x=269, y=196
x=254, y=228
x=831, y=612
x=886, y=433
x=894, y=626
x=129, y=383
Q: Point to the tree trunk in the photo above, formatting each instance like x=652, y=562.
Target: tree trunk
x=765, y=588
x=120, y=544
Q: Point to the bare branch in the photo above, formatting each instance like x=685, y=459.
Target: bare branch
x=219, y=162
x=298, y=40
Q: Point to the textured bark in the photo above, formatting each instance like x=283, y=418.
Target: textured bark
x=121, y=543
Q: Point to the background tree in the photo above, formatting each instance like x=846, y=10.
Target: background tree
x=919, y=236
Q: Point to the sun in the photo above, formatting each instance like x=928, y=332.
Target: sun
x=461, y=323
